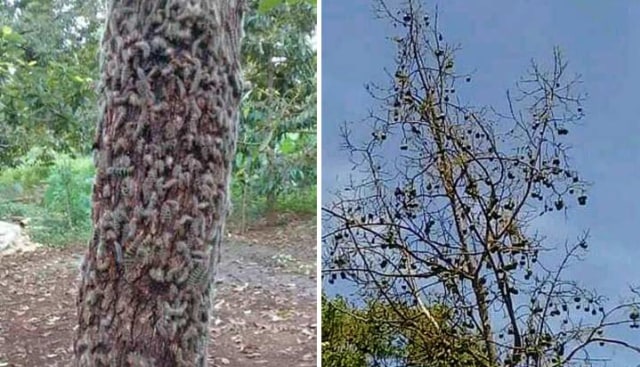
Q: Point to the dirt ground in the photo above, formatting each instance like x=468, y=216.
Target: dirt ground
x=265, y=310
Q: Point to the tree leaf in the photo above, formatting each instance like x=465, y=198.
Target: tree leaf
x=6, y=30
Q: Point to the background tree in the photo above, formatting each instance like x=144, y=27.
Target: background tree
x=277, y=145
x=169, y=98
x=382, y=334
x=351, y=338
x=47, y=69
x=444, y=213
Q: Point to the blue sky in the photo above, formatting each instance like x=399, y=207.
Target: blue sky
x=599, y=40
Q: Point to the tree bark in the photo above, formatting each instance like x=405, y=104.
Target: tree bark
x=170, y=92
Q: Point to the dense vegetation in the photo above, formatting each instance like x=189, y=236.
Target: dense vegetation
x=377, y=334
x=48, y=70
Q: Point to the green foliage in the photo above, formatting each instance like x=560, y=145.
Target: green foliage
x=61, y=213
x=69, y=191
x=277, y=144
x=378, y=334
x=351, y=339
x=48, y=57
x=252, y=208
x=267, y=5
x=299, y=201
x=31, y=171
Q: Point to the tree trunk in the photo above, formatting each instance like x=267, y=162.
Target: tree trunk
x=170, y=92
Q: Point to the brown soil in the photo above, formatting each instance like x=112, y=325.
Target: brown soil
x=265, y=311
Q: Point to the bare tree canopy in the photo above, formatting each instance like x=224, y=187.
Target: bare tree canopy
x=444, y=212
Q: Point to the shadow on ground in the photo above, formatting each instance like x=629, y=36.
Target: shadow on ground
x=265, y=310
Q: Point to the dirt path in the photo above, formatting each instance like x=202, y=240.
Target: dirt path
x=265, y=312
